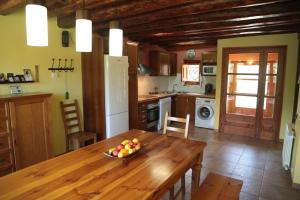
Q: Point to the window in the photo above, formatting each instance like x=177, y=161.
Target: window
x=190, y=73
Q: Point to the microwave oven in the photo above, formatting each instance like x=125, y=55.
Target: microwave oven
x=209, y=69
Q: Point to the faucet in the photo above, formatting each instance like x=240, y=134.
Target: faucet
x=173, y=90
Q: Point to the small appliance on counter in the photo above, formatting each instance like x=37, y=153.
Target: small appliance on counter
x=209, y=88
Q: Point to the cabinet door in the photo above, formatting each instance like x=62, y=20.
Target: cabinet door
x=30, y=130
x=173, y=64
x=6, y=153
x=191, y=107
x=181, y=106
x=164, y=64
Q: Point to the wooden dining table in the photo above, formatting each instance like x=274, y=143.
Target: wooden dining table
x=89, y=174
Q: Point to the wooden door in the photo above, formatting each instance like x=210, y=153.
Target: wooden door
x=252, y=91
x=132, y=53
x=93, y=88
x=30, y=130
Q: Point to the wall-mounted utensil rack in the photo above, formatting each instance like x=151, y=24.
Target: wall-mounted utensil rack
x=61, y=68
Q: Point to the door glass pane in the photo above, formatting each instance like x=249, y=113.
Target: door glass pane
x=270, y=88
x=243, y=105
x=242, y=84
x=247, y=63
x=268, y=107
x=272, y=63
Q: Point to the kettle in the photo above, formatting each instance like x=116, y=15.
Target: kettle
x=208, y=88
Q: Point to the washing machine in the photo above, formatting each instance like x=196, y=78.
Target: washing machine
x=205, y=113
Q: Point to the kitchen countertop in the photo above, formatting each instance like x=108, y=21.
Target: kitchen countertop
x=152, y=97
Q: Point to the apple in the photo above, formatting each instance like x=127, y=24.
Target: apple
x=131, y=143
x=127, y=146
x=135, y=140
x=115, y=153
x=125, y=142
x=130, y=151
x=120, y=155
x=111, y=150
x=138, y=147
x=120, y=146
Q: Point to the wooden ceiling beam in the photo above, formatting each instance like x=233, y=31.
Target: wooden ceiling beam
x=191, y=46
x=287, y=26
x=174, y=15
x=219, y=26
x=234, y=15
x=8, y=6
x=215, y=37
x=138, y=8
x=73, y=5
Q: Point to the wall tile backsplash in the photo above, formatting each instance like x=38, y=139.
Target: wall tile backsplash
x=147, y=84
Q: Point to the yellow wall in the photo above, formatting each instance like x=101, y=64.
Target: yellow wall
x=296, y=151
x=291, y=41
x=15, y=55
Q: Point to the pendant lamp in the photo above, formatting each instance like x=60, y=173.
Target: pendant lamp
x=115, y=39
x=83, y=30
x=36, y=23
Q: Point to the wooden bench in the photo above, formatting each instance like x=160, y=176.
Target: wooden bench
x=218, y=187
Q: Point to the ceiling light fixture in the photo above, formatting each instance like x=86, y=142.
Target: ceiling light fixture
x=36, y=23
x=115, y=39
x=83, y=30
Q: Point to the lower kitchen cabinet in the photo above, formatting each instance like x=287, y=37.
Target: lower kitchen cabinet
x=24, y=131
x=185, y=104
x=142, y=116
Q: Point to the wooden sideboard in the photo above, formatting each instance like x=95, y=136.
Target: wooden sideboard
x=25, y=131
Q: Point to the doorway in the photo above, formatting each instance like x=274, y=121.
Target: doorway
x=251, y=96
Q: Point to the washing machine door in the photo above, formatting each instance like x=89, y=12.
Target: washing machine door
x=205, y=112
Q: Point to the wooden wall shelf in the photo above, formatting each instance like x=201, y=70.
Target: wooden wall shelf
x=16, y=82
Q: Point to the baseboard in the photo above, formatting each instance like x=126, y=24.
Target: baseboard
x=296, y=186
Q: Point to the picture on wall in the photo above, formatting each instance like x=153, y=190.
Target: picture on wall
x=2, y=77
x=10, y=77
x=28, y=75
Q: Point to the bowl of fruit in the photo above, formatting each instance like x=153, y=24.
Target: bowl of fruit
x=126, y=149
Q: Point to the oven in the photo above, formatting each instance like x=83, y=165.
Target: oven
x=152, y=116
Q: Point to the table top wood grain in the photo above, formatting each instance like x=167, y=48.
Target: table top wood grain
x=88, y=174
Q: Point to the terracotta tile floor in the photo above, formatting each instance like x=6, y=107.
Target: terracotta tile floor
x=257, y=163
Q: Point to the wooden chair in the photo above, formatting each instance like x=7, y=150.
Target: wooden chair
x=216, y=187
x=185, y=132
x=72, y=124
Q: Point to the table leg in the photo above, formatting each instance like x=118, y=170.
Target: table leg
x=196, y=171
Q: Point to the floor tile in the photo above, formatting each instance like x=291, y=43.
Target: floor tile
x=280, y=179
x=251, y=186
x=269, y=191
x=248, y=172
x=247, y=196
x=252, y=162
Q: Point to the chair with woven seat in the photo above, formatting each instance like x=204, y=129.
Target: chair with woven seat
x=182, y=131
x=72, y=124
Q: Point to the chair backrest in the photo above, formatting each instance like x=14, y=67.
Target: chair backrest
x=175, y=129
x=71, y=117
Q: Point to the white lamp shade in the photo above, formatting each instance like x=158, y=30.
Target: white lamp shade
x=36, y=25
x=115, y=42
x=83, y=35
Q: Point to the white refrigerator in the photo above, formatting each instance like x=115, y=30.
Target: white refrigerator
x=116, y=95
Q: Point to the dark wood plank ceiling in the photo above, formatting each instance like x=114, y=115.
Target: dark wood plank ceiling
x=180, y=24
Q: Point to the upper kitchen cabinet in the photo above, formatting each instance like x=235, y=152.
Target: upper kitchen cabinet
x=163, y=63
x=160, y=63
x=209, y=58
x=173, y=64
